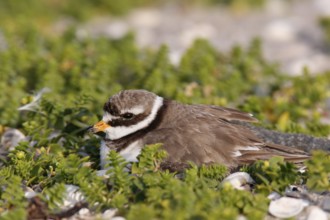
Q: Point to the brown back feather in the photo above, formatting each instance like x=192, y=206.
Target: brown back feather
x=204, y=134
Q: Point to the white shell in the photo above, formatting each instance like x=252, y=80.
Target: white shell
x=286, y=207
x=238, y=180
x=315, y=212
x=29, y=193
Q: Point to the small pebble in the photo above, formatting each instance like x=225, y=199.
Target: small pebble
x=326, y=204
x=109, y=213
x=274, y=196
x=83, y=212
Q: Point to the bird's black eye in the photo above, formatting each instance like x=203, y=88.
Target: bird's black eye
x=127, y=115
x=111, y=111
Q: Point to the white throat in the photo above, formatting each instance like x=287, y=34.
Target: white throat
x=130, y=153
x=114, y=133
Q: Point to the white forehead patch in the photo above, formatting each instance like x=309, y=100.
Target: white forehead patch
x=108, y=117
x=135, y=110
x=114, y=133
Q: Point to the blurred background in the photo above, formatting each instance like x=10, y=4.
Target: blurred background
x=294, y=33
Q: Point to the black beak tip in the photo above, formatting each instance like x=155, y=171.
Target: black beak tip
x=90, y=129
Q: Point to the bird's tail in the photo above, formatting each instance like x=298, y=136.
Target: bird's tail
x=301, y=141
x=269, y=150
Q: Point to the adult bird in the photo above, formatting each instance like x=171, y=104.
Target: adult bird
x=203, y=134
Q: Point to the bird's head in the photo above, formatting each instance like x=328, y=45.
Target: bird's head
x=128, y=112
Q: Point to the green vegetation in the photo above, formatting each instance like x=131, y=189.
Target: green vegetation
x=42, y=12
x=89, y=71
x=83, y=73
x=325, y=25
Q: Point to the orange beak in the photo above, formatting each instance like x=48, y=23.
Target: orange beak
x=99, y=127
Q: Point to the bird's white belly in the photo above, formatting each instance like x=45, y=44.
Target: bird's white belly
x=130, y=153
x=104, y=151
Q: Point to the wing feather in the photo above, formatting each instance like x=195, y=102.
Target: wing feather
x=205, y=134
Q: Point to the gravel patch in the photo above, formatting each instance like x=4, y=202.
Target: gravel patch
x=289, y=30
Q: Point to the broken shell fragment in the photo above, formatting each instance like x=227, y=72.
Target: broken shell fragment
x=286, y=207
